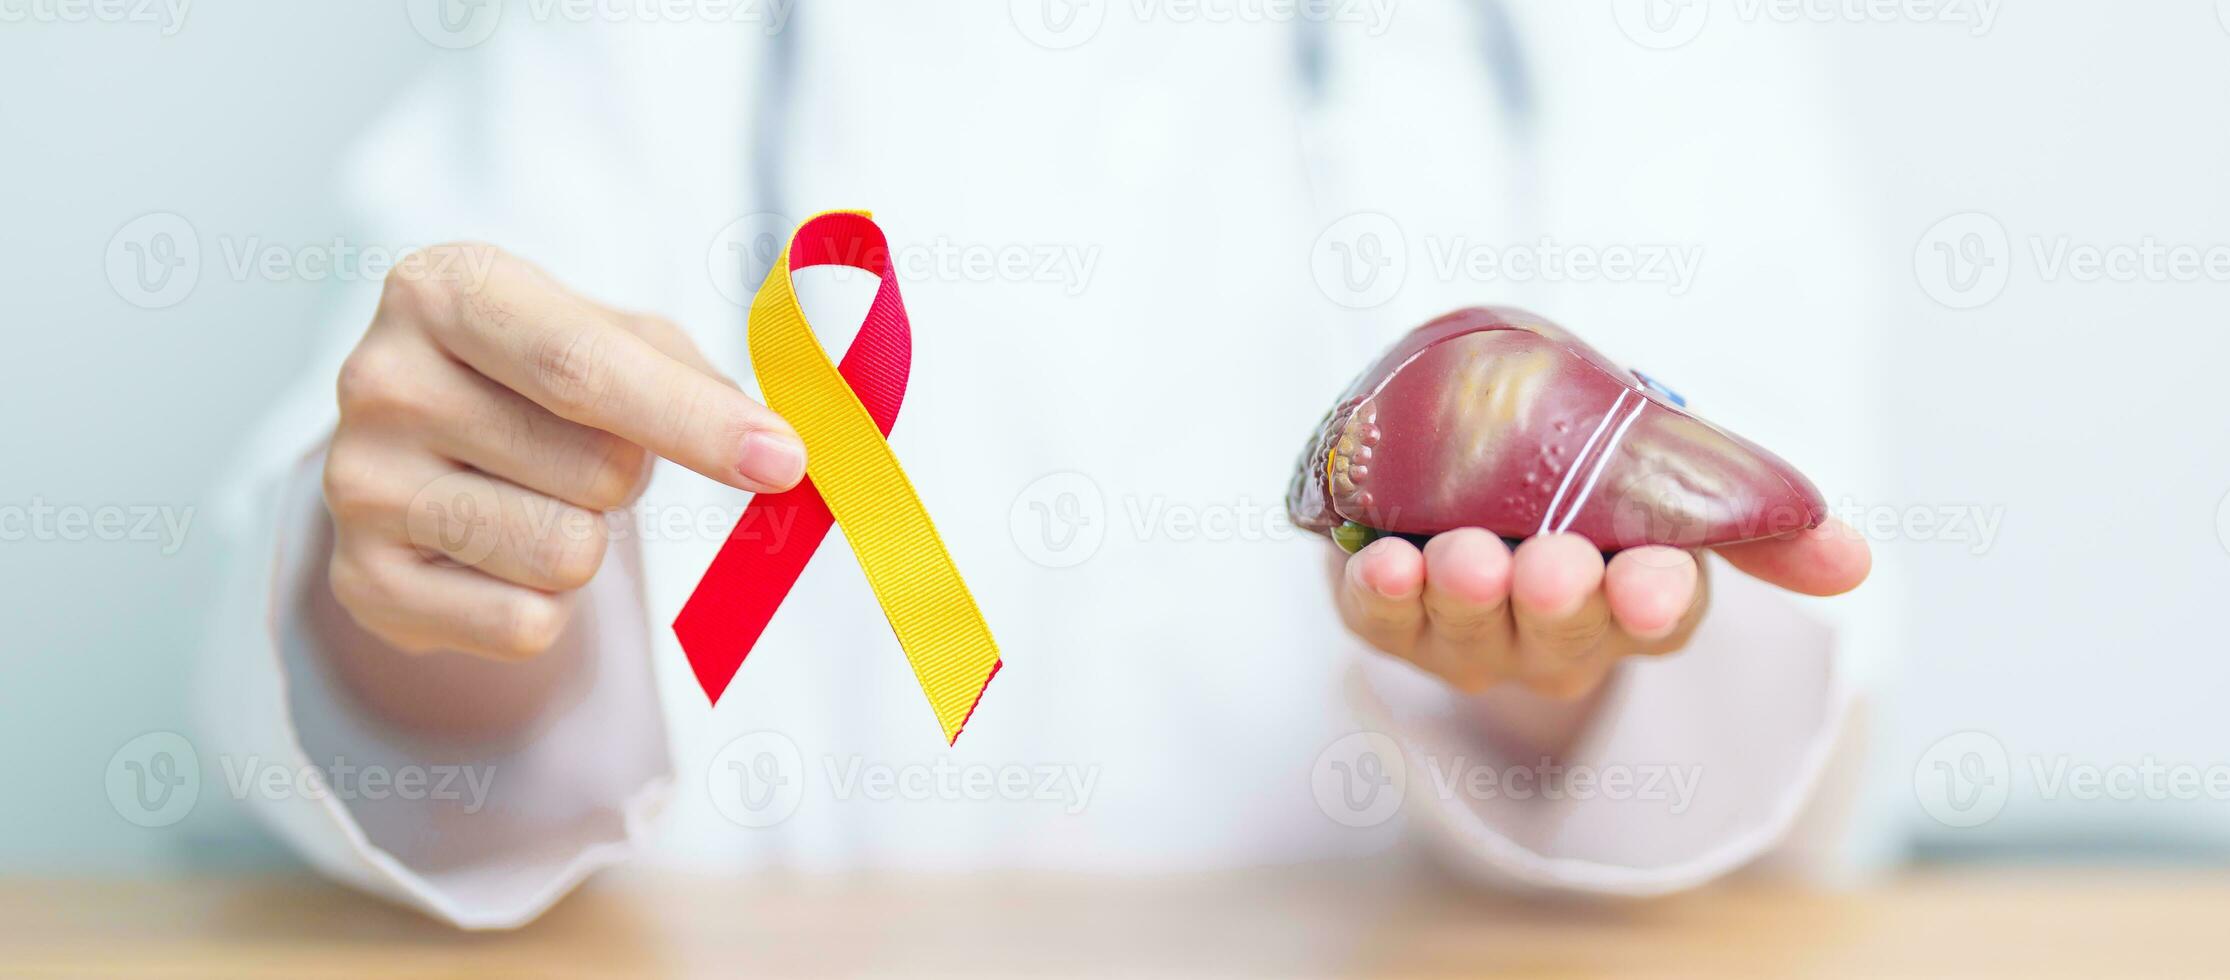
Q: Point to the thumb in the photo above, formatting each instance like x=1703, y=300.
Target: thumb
x=1827, y=560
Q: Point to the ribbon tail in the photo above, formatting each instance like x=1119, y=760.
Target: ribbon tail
x=954, y=738
x=762, y=558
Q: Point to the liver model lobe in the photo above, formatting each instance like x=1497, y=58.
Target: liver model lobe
x=1496, y=418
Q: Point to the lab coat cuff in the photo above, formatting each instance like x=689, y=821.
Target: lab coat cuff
x=1683, y=768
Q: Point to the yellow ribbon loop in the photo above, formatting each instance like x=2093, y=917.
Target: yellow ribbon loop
x=848, y=460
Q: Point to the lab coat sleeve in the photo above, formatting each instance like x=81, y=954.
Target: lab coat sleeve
x=1680, y=770
x=482, y=836
x=488, y=835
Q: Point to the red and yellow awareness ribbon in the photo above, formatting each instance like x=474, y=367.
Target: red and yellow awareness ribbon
x=844, y=414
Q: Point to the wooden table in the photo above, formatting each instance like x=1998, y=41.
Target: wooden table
x=1339, y=920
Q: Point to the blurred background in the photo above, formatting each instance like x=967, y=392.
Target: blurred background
x=2046, y=213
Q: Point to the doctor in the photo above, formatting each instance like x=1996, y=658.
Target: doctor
x=466, y=562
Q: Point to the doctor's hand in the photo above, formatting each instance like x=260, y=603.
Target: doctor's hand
x=1554, y=617
x=488, y=420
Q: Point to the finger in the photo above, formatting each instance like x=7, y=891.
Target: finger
x=498, y=431
x=468, y=518
x=1469, y=637
x=483, y=522
x=1827, y=560
x=1650, y=590
x=1380, y=595
x=419, y=607
x=1557, y=598
x=570, y=358
x=410, y=384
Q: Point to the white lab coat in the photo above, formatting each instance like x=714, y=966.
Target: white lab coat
x=1191, y=669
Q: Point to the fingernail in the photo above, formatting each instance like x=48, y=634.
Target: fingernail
x=772, y=460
